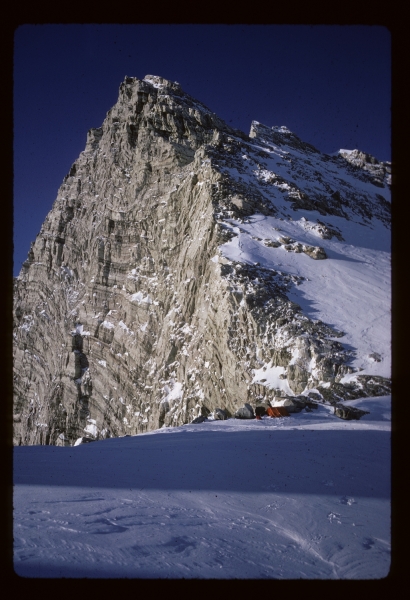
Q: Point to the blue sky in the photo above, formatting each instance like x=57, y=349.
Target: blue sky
x=331, y=85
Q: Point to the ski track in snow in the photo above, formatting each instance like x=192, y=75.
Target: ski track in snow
x=306, y=496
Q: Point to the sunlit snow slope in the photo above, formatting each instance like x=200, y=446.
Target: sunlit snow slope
x=349, y=291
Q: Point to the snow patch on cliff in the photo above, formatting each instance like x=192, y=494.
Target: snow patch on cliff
x=269, y=376
x=141, y=299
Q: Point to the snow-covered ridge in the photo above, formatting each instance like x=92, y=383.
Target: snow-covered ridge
x=293, y=204
x=381, y=171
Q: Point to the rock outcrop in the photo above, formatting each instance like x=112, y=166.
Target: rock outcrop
x=380, y=171
x=127, y=317
x=349, y=413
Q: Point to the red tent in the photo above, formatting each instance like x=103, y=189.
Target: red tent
x=277, y=411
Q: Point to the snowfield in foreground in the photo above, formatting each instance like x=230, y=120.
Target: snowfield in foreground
x=305, y=496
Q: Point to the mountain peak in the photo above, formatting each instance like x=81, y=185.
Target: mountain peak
x=186, y=267
x=161, y=82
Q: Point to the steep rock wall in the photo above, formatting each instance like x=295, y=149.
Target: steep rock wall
x=127, y=317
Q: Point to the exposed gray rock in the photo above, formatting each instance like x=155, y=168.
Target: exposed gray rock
x=349, y=412
x=315, y=396
x=380, y=171
x=245, y=412
x=271, y=243
x=295, y=404
x=292, y=405
x=199, y=419
x=327, y=232
x=361, y=386
x=220, y=414
x=315, y=252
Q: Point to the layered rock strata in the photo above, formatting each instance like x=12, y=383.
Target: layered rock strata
x=127, y=317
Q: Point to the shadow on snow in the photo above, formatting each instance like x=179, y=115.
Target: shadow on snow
x=334, y=462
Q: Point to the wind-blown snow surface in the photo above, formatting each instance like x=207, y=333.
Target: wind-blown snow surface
x=305, y=496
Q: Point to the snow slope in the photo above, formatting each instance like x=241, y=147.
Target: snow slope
x=350, y=290
x=306, y=496
x=321, y=201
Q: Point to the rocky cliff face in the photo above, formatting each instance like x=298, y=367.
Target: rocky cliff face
x=128, y=313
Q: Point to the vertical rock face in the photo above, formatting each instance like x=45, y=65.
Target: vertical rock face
x=127, y=314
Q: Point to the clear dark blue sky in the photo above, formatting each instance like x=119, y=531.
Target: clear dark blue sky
x=328, y=84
